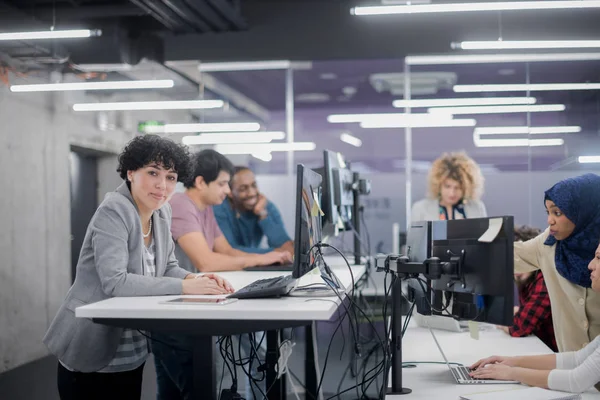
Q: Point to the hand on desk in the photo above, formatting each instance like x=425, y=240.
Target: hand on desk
x=206, y=284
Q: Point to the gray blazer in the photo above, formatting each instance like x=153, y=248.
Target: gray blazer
x=429, y=210
x=111, y=265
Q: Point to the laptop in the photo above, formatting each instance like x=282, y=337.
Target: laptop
x=272, y=267
x=439, y=322
x=461, y=373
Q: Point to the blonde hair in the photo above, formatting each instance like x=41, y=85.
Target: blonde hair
x=459, y=167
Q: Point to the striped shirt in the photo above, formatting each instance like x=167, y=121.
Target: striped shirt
x=133, y=346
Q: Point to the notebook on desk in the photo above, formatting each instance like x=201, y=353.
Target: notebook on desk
x=532, y=393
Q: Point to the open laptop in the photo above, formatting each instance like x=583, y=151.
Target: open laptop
x=439, y=322
x=272, y=267
x=461, y=373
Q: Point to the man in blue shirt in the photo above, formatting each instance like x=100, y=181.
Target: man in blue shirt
x=246, y=216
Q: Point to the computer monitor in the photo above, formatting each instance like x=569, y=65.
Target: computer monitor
x=307, y=220
x=337, y=197
x=418, y=249
x=478, y=273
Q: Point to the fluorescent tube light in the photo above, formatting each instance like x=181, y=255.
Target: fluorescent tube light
x=351, y=140
x=524, y=130
x=208, y=127
x=42, y=35
x=266, y=157
x=526, y=44
x=252, y=65
x=115, y=85
x=432, y=123
x=233, y=137
x=517, y=142
x=497, y=109
x=264, y=147
x=392, y=117
x=523, y=87
x=473, y=7
x=588, y=159
x=498, y=58
x=474, y=101
x=149, y=105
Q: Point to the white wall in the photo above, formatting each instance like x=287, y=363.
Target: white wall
x=35, y=267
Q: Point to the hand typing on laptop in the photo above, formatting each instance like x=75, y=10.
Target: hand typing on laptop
x=494, y=367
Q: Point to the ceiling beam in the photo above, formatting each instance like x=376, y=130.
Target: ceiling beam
x=230, y=12
x=88, y=12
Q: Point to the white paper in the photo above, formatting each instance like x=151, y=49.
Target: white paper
x=492, y=231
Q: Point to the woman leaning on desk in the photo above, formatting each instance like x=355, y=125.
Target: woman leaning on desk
x=565, y=253
x=455, y=185
x=127, y=251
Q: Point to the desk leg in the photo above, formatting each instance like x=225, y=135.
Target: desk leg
x=204, y=371
x=276, y=389
x=312, y=372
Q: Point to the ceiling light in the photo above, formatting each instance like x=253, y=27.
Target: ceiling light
x=496, y=109
x=475, y=101
x=526, y=44
x=418, y=124
x=351, y=140
x=233, y=137
x=150, y=105
x=524, y=87
x=352, y=118
x=264, y=147
x=104, y=67
x=266, y=157
x=588, y=159
x=498, y=58
x=252, y=66
x=41, y=35
x=517, y=142
x=524, y=130
x=114, y=85
x=473, y=6
x=205, y=127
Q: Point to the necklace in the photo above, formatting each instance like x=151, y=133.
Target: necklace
x=145, y=235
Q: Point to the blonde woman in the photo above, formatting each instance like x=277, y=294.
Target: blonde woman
x=455, y=186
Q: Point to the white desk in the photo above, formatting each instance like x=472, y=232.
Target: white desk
x=433, y=381
x=243, y=316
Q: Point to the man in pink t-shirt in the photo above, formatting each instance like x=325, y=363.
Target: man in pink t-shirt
x=201, y=245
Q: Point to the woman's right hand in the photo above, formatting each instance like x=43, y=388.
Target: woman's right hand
x=203, y=285
x=509, y=361
x=275, y=257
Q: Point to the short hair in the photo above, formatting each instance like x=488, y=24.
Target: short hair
x=236, y=170
x=147, y=149
x=208, y=164
x=525, y=233
x=459, y=167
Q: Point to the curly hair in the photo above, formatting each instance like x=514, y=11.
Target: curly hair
x=524, y=233
x=146, y=149
x=459, y=167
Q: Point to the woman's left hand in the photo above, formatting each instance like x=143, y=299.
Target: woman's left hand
x=494, y=371
x=221, y=282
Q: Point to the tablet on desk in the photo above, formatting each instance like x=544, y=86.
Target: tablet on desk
x=197, y=301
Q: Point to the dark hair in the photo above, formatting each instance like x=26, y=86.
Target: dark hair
x=236, y=169
x=208, y=164
x=147, y=149
x=525, y=233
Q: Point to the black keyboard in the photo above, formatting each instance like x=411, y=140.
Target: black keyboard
x=272, y=267
x=263, y=288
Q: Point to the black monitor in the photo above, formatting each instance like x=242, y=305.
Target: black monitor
x=418, y=249
x=307, y=221
x=478, y=272
x=338, y=197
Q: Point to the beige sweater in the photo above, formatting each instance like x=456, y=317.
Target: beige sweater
x=575, y=309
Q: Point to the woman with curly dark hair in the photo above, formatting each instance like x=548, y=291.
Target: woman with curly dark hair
x=455, y=186
x=127, y=251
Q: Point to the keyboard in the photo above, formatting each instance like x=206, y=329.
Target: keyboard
x=264, y=288
x=272, y=267
x=463, y=373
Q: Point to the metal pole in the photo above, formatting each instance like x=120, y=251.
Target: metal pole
x=407, y=144
x=289, y=116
